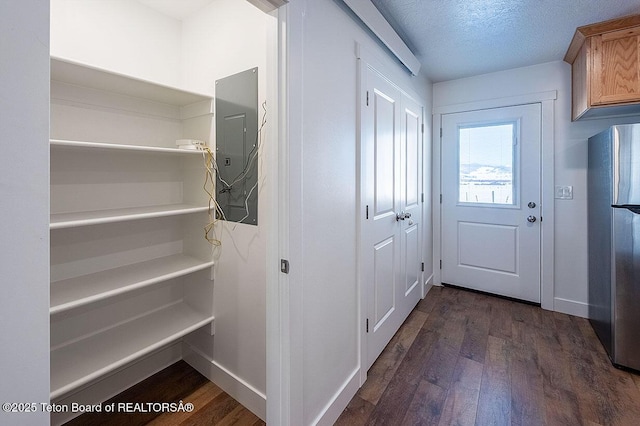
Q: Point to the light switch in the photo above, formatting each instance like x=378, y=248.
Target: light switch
x=564, y=192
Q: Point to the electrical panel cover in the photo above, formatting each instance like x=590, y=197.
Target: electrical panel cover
x=237, y=146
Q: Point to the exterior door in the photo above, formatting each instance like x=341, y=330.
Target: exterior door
x=491, y=200
x=391, y=176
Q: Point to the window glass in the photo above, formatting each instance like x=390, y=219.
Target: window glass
x=486, y=164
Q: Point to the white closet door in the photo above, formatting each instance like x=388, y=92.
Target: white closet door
x=391, y=176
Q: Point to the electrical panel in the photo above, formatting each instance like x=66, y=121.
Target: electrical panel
x=237, y=146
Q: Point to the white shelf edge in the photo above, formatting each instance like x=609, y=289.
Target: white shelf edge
x=122, y=215
x=101, y=371
x=81, y=74
x=126, y=289
x=54, y=143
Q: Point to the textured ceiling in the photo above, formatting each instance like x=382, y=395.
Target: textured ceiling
x=461, y=38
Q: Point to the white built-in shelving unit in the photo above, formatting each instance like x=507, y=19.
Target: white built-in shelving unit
x=130, y=267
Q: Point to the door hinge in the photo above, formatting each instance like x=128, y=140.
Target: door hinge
x=367, y=98
x=440, y=263
x=284, y=266
x=367, y=212
x=440, y=131
x=422, y=127
x=422, y=197
x=367, y=325
x=440, y=198
x=422, y=269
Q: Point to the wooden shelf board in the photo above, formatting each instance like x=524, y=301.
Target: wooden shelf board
x=72, y=220
x=79, y=74
x=79, y=291
x=83, y=361
x=60, y=143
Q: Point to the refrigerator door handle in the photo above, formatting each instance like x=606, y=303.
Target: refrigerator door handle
x=634, y=208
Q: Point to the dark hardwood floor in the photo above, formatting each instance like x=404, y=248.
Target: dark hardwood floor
x=460, y=358
x=178, y=382
x=463, y=358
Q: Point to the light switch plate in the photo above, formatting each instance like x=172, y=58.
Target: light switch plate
x=564, y=192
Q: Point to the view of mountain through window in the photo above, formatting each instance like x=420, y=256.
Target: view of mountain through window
x=486, y=163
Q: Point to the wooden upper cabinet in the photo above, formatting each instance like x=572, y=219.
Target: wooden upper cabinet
x=605, y=68
x=615, y=67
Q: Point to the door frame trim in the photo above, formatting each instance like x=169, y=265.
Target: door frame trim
x=547, y=103
x=284, y=325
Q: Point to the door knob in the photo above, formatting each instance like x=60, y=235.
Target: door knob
x=402, y=215
x=531, y=205
x=531, y=219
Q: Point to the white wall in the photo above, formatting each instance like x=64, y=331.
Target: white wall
x=427, y=254
x=24, y=224
x=120, y=35
x=322, y=230
x=570, y=240
x=225, y=38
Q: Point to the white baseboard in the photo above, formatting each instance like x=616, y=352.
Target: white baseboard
x=571, y=307
x=340, y=400
x=241, y=391
x=428, y=284
x=108, y=386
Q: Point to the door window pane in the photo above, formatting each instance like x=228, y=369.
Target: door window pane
x=486, y=164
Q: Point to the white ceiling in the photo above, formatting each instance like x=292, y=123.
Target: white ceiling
x=178, y=9
x=461, y=38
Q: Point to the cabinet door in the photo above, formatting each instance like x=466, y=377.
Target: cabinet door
x=616, y=62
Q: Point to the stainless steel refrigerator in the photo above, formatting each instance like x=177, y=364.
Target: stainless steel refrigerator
x=614, y=242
